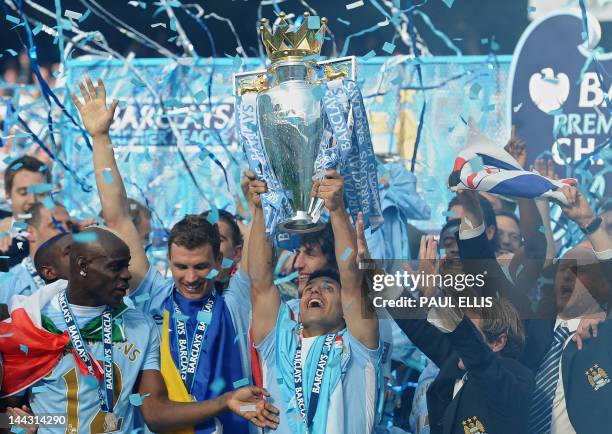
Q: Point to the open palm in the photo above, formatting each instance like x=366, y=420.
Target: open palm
x=97, y=118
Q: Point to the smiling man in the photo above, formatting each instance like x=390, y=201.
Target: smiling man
x=203, y=334
x=323, y=365
x=114, y=366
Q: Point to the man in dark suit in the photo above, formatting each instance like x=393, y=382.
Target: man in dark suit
x=554, y=331
x=573, y=394
x=481, y=387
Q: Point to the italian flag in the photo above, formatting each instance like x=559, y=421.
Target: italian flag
x=28, y=350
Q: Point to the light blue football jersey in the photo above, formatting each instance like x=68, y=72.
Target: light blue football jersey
x=17, y=281
x=352, y=405
x=65, y=391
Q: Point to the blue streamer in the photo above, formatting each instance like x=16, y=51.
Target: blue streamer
x=417, y=55
x=82, y=183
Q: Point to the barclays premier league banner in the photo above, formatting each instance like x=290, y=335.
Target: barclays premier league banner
x=561, y=97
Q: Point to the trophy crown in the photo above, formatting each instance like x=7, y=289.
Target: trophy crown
x=285, y=42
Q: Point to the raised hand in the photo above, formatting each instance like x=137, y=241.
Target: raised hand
x=6, y=240
x=428, y=263
x=578, y=208
x=331, y=190
x=257, y=188
x=96, y=116
x=545, y=170
x=248, y=402
x=22, y=414
x=517, y=148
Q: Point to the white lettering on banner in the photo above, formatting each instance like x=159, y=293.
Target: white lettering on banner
x=563, y=156
x=576, y=132
x=591, y=93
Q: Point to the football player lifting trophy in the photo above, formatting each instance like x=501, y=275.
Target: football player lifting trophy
x=300, y=117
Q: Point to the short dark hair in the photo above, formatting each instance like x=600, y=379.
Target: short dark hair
x=325, y=240
x=23, y=163
x=450, y=224
x=510, y=215
x=46, y=255
x=194, y=231
x=230, y=220
x=330, y=273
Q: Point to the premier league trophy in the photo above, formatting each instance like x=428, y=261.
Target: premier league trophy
x=281, y=118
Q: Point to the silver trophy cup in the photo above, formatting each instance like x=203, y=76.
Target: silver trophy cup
x=291, y=129
x=290, y=126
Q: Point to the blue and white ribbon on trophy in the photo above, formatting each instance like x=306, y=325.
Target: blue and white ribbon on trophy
x=353, y=155
x=275, y=203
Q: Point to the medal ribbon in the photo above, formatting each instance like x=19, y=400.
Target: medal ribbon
x=80, y=350
x=315, y=392
x=188, y=361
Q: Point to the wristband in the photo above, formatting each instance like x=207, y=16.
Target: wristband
x=591, y=227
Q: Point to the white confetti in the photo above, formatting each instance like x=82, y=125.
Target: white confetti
x=354, y=5
x=72, y=15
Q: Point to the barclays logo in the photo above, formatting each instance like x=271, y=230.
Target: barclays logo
x=547, y=91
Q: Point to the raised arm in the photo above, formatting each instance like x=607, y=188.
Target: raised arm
x=264, y=294
x=97, y=119
x=362, y=324
x=579, y=210
x=162, y=415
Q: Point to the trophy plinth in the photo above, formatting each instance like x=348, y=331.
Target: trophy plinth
x=301, y=223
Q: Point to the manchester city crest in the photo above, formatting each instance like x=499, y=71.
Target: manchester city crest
x=473, y=426
x=597, y=377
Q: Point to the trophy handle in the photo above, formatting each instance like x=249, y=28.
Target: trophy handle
x=340, y=67
x=316, y=206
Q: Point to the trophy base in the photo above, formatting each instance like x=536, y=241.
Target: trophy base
x=301, y=223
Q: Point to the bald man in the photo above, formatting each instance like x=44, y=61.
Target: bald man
x=43, y=224
x=124, y=341
x=52, y=258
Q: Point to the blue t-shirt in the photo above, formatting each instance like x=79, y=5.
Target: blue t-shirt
x=352, y=404
x=66, y=391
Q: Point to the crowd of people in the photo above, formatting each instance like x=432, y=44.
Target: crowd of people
x=230, y=342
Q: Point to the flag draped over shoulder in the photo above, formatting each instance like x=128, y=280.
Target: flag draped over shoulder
x=30, y=352
x=31, y=345
x=485, y=166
